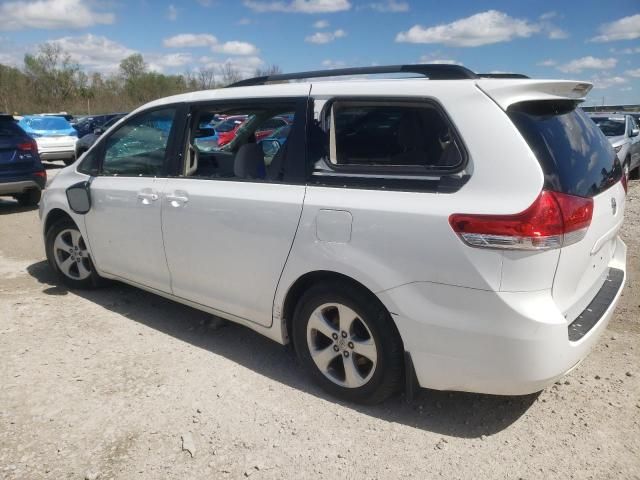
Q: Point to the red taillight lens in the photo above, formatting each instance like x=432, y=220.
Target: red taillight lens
x=552, y=221
x=31, y=146
x=41, y=173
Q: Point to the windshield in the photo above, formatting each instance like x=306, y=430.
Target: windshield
x=47, y=123
x=611, y=127
x=8, y=128
x=575, y=156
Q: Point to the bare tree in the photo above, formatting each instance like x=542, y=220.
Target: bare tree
x=206, y=79
x=268, y=70
x=229, y=74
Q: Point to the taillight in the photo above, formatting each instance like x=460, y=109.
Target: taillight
x=554, y=220
x=41, y=174
x=30, y=146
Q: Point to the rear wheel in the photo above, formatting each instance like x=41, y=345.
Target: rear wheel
x=29, y=198
x=68, y=255
x=347, y=341
x=69, y=161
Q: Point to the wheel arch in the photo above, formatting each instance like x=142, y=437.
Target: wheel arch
x=306, y=281
x=54, y=215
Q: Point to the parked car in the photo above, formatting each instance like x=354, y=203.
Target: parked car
x=623, y=133
x=55, y=137
x=271, y=125
x=22, y=175
x=83, y=144
x=89, y=124
x=226, y=130
x=393, y=238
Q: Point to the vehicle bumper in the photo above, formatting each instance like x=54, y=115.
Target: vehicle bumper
x=505, y=343
x=58, y=154
x=20, y=186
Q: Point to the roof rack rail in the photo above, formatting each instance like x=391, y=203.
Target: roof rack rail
x=502, y=75
x=432, y=71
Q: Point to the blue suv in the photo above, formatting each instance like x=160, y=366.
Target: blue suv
x=22, y=175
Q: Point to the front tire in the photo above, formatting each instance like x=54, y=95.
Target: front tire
x=347, y=341
x=69, y=257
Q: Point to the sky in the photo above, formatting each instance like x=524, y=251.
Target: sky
x=589, y=40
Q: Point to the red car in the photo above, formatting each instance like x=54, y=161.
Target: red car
x=227, y=130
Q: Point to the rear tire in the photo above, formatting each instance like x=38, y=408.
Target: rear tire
x=69, y=161
x=30, y=198
x=348, y=343
x=68, y=256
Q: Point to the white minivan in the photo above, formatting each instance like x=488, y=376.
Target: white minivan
x=459, y=231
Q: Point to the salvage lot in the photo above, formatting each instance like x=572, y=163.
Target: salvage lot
x=119, y=383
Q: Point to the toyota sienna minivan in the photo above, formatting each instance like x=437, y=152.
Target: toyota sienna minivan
x=453, y=229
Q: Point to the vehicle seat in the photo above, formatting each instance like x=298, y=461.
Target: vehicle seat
x=249, y=162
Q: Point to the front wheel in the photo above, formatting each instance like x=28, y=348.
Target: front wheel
x=347, y=341
x=69, y=257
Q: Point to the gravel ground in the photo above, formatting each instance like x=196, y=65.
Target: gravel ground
x=119, y=383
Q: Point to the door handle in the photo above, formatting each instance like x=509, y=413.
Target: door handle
x=177, y=199
x=147, y=197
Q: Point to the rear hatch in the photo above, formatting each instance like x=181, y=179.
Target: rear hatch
x=577, y=160
x=15, y=157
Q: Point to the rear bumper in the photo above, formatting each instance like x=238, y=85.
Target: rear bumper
x=506, y=343
x=57, y=154
x=14, y=187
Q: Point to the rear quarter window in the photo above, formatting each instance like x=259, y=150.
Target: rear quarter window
x=574, y=154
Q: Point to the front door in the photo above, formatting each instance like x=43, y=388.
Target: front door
x=124, y=223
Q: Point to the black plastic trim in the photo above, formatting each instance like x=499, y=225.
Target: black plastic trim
x=600, y=303
x=432, y=71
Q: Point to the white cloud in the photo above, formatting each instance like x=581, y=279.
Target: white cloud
x=51, y=14
x=432, y=60
x=625, y=51
x=298, y=6
x=194, y=40
x=321, y=24
x=480, y=29
x=389, y=6
x=244, y=21
x=246, y=66
x=606, y=82
x=633, y=73
x=325, y=37
x=172, y=61
x=93, y=52
x=190, y=40
x=548, y=15
x=588, y=63
x=547, y=63
x=333, y=63
x=626, y=28
x=235, y=48
x=555, y=33
x=172, y=13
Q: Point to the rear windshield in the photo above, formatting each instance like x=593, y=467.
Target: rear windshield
x=575, y=156
x=47, y=123
x=611, y=127
x=9, y=128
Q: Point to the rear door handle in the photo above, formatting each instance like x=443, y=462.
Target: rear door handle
x=147, y=197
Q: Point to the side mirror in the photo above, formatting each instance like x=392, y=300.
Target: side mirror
x=98, y=131
x=79, y=197
x=635, y=132
x=270, y=148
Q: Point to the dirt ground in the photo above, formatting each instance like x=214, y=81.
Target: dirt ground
x=119, y=384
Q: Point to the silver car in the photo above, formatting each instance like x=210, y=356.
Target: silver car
x=622, y=132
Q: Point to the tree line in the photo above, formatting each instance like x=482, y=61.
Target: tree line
x=50, y=81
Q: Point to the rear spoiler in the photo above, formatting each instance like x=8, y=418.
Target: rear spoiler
x=506, y=92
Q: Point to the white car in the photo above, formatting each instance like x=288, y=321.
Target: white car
x=458, y=231
x=55, y=136
x=622, y=132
